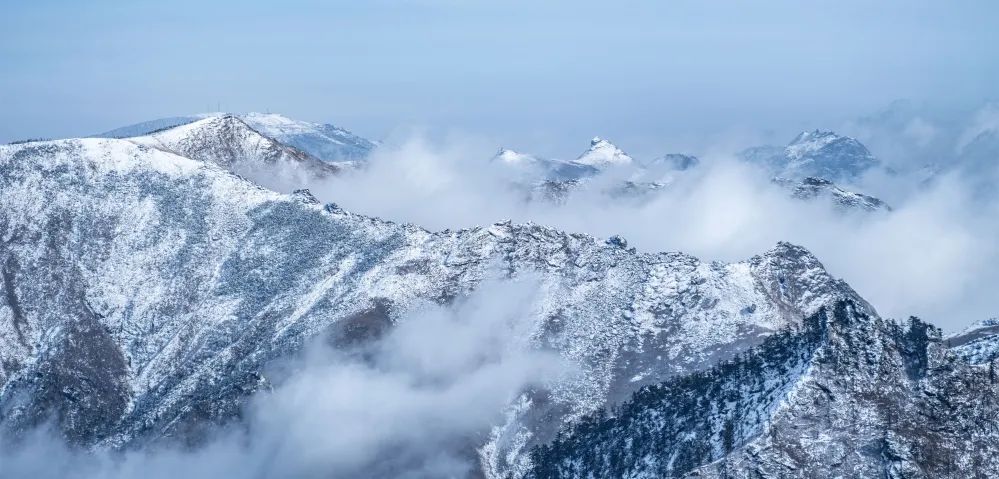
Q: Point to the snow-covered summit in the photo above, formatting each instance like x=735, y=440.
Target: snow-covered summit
x=515, y=158
x=816, y=153
x=231, y=143
x=602, y=154
x=828, y=155
x=812, y=188
x=150, y=126
x=978, y=343
x=324, y=141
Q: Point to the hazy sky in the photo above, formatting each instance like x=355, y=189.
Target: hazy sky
x=541, y=76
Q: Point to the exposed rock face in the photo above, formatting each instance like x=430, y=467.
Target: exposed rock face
x=532, y=169
x=232, y=144
x=673, y=162
x=820, y=189
x=979, y=344
x=327, y=142
x=820, y=154
x=845, y=395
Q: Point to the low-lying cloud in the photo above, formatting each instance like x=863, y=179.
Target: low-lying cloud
x=416, y=403
x=933, y=256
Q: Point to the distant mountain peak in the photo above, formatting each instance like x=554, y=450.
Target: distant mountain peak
x=230, y=142
x=812, y=188
x=603, y=153
x=326, y=142
x=808, y=142
x=673, y=162
x=816, y=153
x=807, y=135
x=514, y=158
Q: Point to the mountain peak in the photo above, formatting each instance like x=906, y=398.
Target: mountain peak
x=816, y=153
x=327, y=142
x=603, y=153
x=514, y=158
x=807, y=135
x=674, y=161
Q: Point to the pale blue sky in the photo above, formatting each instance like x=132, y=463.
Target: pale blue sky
x=540, y=76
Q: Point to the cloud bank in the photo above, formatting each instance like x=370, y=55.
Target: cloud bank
x=932, y=256
x=415, y=403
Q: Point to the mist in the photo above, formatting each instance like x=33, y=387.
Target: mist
x=931, y=256
x=415, y=403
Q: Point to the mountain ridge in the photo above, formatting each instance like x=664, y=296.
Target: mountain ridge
x=182, y=358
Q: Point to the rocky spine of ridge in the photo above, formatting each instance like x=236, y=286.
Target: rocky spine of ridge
x=811, y=188
x=819, y=154
x=326, y=142
x=846, y=395
x=231, y=143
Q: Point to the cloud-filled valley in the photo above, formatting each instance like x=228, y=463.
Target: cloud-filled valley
x=433, y=308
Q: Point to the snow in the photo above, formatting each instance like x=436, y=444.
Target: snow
x=603, y=153
x=195, y=271
x=513, y=158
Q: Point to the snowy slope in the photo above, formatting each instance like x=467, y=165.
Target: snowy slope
x=144, y=293
x=810, y=188
x=230, y=143
x=846, y=395
x=603, y=154
x=671, y=162
x=147, y=127
x=978, y=344
x=533, y=169
x=821, y=154
x=324, y=141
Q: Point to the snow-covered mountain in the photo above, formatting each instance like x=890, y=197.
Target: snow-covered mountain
x=672, y=162
x=979, y=343
x=326, y=142
x=229, y=142
x=534, y=169
x=146, y=288
x=820, y=154
x=144, y=292
x=552, y=180
x=555, y=181
x=821, y=189
x=847, y=394
x=603, y=154
x=150, y=126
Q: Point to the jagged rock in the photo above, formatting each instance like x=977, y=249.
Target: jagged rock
x=810, y=188
x=845, y=394
x=820, y=154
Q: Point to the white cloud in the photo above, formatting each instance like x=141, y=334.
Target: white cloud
x=414, y=404
x=931, y=257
